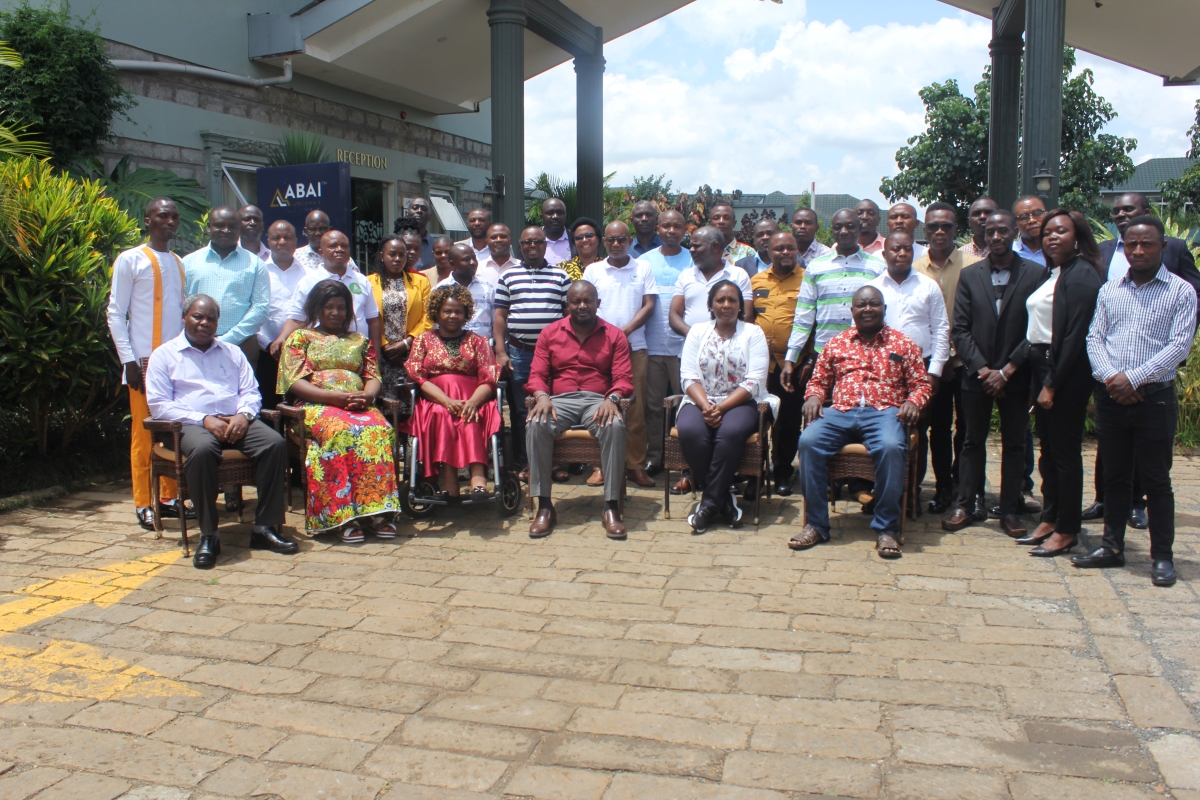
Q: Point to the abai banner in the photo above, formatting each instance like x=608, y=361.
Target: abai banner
x=292, y=192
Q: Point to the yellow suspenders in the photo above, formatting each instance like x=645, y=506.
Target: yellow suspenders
x=156, y=333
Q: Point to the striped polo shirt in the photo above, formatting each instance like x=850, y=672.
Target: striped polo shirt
x=823, y=308
x=534, y=298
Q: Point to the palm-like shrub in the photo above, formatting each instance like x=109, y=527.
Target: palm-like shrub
x=297, y=147
x=56, y=362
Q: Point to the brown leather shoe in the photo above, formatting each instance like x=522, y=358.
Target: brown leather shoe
x=682, y=486
x=805, y=539
x=613, y=527
x=597, y=478
x=1012, y=525
x=639, y=476
x=957, y=520
x=543, y=523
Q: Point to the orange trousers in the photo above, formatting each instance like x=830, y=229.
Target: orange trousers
x=139, y=455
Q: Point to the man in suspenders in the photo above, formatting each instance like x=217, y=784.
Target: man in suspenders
x=145, y=309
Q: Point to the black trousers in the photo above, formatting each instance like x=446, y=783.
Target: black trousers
x=1139, y=496
x=203, y=455
x=267, y=373
x=942, y=434
x=1060, y=430
x=713, y=454
x=1014, y=425
x=785, y=431
x=1140, y=438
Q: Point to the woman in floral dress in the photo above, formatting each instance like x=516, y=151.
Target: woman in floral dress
x=457, y=373
x=401, y=296
x=333, y=374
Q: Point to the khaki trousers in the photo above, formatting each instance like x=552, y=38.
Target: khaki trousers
x=662, y=381
x=635, y=418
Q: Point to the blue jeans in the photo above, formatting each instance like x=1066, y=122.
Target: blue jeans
x=522, y=361
x=883, y=435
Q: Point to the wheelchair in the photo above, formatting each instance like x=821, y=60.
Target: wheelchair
x=419, y=494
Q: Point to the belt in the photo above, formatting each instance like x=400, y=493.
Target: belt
x=1157, y=386
x=520, y=345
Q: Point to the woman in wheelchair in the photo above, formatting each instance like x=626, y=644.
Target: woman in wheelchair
x=333, y=374
x=457, y=373
x=723, y=372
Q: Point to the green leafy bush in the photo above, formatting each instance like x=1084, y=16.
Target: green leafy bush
x=57, y=364
x=297, y=147
x=67, y=91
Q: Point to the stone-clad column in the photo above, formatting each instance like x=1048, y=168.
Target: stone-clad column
x=507, y=21
x=589, y=134
x=1045, y=24
x=1005, y=120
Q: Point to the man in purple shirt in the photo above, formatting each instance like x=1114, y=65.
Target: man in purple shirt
x=554, y=225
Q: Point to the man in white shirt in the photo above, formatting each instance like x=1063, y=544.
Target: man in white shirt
x=316, y=225
x=689, y=305
x=252, y=231
x=462, y=259
x=209, y=386
x=499, y=257
x=285, y=274
x=478, y=222
x=145, y=309
x=554, y=225
x=627, y=292
x=915, y=306
x=335, y=265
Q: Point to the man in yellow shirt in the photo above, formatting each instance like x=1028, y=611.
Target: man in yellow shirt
x=775, y=293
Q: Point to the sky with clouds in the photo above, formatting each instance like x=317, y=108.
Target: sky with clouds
x=759, y=96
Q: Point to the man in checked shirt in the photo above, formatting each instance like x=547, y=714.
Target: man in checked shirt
x=879, y=386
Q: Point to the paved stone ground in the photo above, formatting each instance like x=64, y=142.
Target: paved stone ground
x=472, y=662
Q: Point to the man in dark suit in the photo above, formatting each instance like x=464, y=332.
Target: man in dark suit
x=1178, y=260
x=990, y=325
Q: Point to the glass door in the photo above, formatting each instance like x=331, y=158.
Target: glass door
x=367, y=216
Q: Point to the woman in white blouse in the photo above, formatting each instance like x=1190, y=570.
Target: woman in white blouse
x=723, y=373
x=1060, y=312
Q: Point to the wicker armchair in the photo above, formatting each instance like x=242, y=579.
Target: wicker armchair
x=578, y=446
x=167, y=460
x=755, y=458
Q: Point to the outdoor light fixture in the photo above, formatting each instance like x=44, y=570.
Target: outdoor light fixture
x=1043, y=180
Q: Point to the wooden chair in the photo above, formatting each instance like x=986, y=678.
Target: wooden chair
x=578, y=446
x=167, y=460
x=854, y=461
x=755, y=457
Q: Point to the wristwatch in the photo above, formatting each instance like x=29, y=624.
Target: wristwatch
x=249, y=417
x=615, y=399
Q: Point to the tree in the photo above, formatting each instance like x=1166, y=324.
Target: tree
x=15, y=139
x=949, y=160
x=1182, y=195
x=68, y=90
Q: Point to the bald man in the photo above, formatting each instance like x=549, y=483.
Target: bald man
x=316, y=225
x=903, y=217
x=869, y=237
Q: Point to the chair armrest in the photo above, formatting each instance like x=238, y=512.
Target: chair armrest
x=530, y=403
x=289, y=412
x=763, y=408
x=270, y=417
x=672, y=401
x=162, y=425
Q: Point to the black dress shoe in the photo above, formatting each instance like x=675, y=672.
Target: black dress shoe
x=940, y=502
x=207, y=552
x=1042, y=552
x=783, y=487
x=653, y=469
x=145, y=517
x=979, y=512
x=1100, y=557
x=1033, y=540
x=1094, y=511
x=266, y=539
x=171, y=511
x=1163, y=573
x=1137, y=518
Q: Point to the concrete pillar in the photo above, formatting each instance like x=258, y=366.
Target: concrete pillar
x=1004, y=120
x=1045, y=23
x=507, y=21
x=589, y=135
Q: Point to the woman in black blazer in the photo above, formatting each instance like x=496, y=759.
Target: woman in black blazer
x=1060, y=312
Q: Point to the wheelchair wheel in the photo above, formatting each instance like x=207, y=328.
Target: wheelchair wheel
x=425, y=488
x=510, y=494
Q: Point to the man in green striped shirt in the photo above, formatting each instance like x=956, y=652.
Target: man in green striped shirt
x=830, y=281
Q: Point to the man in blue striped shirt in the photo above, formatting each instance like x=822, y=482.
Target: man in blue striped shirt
x=1141, y=332
x=529, y=297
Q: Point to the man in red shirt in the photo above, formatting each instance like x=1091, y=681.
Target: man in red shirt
x=879, y=385
x=581, y=370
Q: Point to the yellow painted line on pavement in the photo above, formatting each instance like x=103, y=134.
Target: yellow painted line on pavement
x=65, y=671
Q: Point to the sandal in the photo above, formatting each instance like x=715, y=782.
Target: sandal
x=809, y=537
x=887, y=546
x=386, y=531
x=560, y=475
x=352, y=534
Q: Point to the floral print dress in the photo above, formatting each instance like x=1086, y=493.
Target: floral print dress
x=350, y=464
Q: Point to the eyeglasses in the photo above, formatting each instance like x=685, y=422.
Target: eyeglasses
x=940, y=226
x=616, y=239
x=579, y=237
x=1037, y=213
x=532, y=242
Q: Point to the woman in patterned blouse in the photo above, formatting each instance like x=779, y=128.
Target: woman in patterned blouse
x=585, y=233
x=723, y=372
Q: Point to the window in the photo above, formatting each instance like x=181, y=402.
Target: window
x=240, y=184
x=447, y=213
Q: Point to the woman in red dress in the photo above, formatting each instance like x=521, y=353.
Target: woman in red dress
x=457, y=373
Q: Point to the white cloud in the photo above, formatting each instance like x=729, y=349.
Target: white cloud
x=751, y=95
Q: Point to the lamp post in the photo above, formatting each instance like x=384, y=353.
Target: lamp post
x=1043, y=182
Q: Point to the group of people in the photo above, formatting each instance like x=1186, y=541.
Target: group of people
x=876, y=340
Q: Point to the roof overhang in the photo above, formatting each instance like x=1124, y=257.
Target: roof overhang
x=1155, y=36
x=434, y=55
